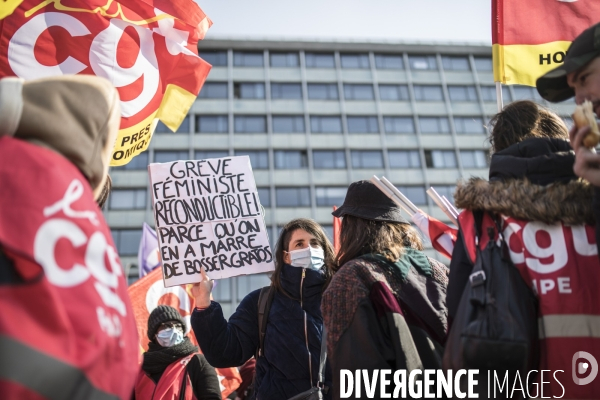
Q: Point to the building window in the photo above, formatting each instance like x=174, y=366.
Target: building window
x=428, y=93
x=453, y=63
x=170, y=156
x=399, y=124
x=434, y=125
x=264, y=195
x=404, y=159
x=488, y=93
x=393, y=93
x=293, y=197
x=215, y=58
x=291, y=159
x=329, y=159
x=259, y=159
x=483, y=64
x=284, y=60
x=322, y=124
x=468, y=125
x=286, y=91
x=138, y=162
x=288, y=124
x=183, y=128
x=445, y=191
x=416, y=194
x=367, y=159
x=440, y=158
x=422, y=62
x=250, y=124
x=462, y=93
x=355, y=61
x=473, y=159
x=526, y=93
x=127, y=241
x=213, y=90
x=358, y=92
x=127, y=199
x=249, y=90
x=389, y=61
x=204, y=154
x=212, y=124
x=323, y=91
x=319, y=60
x=330, y=196
x=248, y=59
x=362, y=124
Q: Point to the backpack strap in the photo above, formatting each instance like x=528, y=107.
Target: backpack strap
x=186, y=376
x=264, y=306
x=477, y=278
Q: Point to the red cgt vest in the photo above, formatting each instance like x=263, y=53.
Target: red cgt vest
x=66, y=328
x=561, y=263
x=170, y=383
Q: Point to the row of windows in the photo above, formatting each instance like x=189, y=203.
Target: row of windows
x=347, y=60
x=360, y=91
x=128, y=240
x=329, y=124
x=324, y=159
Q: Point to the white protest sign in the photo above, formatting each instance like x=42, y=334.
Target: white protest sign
x=208, y=215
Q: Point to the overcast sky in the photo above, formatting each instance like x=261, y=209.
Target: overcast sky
x=381, y=20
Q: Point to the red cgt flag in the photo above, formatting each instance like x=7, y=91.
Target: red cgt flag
x=441, y=235
x=146, y=48
x=149, y=292
x=531, y=37
x=337, y=229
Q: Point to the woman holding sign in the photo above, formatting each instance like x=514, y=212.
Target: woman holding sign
x=281, y=325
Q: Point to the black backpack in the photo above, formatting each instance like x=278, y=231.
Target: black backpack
x=496, y=327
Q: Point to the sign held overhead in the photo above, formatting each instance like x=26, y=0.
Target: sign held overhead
x=208, y=215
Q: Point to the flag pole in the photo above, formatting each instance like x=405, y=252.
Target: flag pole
x=499, y=96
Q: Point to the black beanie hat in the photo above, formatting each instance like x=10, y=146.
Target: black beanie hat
x=160, y=315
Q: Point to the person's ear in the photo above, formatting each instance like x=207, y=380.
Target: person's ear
x=286, y=257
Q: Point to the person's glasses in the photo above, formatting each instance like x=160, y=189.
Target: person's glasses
x=170, y=325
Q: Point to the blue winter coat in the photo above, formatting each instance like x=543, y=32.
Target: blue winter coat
x=284, y=369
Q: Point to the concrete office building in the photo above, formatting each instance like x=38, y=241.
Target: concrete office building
x=316, y=116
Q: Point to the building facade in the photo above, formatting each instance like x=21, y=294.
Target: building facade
x=314, y=117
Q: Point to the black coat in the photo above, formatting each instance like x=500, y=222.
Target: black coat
x=535, y=162
x=284, y=369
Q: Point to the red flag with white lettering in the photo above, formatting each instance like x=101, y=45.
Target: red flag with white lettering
x=146, y=48
x=147, y=293
x=441, y=235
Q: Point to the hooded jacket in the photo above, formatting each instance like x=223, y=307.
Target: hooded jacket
x=548, y=223
x=287, y=367
x=66, y=318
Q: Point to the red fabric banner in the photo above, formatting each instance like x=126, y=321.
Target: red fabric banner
x=541, y=21
x=146, y=48
x=67, y=319
x=337, y=229
x=147, y=293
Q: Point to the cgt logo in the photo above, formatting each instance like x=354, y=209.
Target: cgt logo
x=581, y=368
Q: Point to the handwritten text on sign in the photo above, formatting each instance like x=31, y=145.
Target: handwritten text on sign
x=208, y=215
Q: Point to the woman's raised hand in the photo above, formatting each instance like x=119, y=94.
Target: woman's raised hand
x=201, y=290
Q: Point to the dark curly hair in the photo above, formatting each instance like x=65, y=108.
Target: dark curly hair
x=522, y=120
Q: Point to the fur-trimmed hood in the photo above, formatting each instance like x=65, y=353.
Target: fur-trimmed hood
x=570, y=203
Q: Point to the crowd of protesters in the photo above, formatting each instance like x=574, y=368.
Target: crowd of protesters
x=378, y=304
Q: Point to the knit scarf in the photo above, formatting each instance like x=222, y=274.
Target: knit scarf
x=158, y=358
x=400, y=268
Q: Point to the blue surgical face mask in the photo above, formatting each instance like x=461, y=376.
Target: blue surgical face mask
x=310, y=257
x=169, y=337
